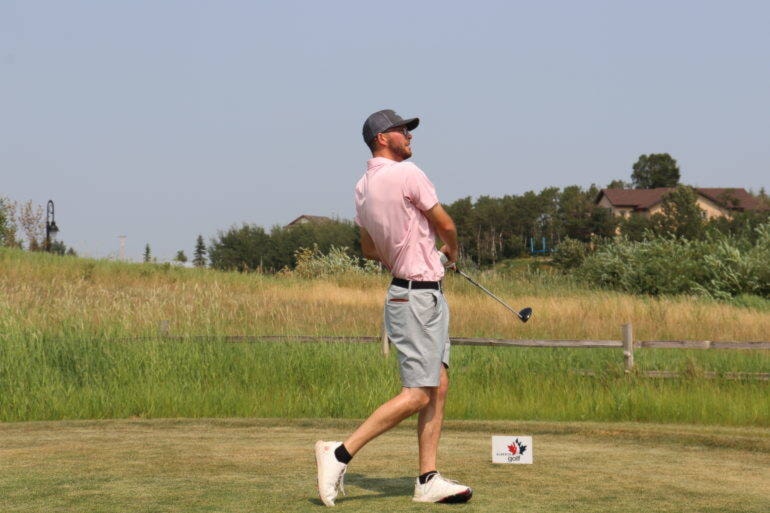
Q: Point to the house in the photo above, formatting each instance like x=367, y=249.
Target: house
x=305, y=219
x=715, y=202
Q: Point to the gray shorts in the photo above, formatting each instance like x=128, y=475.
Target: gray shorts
x=417, y=323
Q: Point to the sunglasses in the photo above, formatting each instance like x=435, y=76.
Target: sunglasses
x=403, y=130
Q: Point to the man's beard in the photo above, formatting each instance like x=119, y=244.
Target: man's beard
x=403, y=151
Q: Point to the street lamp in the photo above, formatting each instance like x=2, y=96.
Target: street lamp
x=50, y=226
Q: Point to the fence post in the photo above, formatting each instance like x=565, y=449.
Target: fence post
x=385, y=341
x=628, y=346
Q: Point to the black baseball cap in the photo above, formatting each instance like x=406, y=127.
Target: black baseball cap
x=383, y=120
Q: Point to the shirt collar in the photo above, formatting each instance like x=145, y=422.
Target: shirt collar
x=378, y=162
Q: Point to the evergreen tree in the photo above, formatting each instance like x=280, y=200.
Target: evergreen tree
x=199, y=256
x=147, y=254
x=180, y=257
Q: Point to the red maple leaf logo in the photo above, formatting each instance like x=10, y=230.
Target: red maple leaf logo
x=513, y=448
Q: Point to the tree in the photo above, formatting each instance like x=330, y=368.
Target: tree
x=147, y=254
x=681, y=215
x=635, y=227
x=763, y=198
x=618, y=184
x=33, y=224
x=180, y=257
x=241, y=249
x=741, y=225
x=7, y=225
x=199, y=256
x=488, y=230
x=655, y=170
x=59, y=248
x=250, y=248
x=575, y=211
x=461, y=211
x=286, y=241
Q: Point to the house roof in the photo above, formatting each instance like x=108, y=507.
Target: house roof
x=737, y=199
x=304, y=218
x=644, y=199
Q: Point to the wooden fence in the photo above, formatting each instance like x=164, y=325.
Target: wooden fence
x=626, y=343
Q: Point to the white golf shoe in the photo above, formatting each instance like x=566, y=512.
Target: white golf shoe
x=438, y=489
x=330, y=471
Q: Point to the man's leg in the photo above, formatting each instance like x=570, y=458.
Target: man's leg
x=429, y=424
x=332, y=457
x=431, y=486
x=389, y=415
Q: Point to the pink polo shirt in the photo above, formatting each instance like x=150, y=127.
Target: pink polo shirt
x=390, y=200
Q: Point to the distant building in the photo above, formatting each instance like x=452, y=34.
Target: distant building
x=305, y=219
x=715, y=202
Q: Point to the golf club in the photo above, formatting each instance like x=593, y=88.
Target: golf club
x=524, y=314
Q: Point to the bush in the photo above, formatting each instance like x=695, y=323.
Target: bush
x=569, y=254
x=720, y=266
x=312, y=263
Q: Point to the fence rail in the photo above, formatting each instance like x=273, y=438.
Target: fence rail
x=494, y=342
x=627, y=343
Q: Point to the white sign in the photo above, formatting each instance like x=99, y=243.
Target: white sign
x=511, y=449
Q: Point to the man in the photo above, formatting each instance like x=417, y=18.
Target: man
x=399, y=216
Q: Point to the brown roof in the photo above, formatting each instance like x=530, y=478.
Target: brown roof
x=738, y=199
x=304, y=218
x=644, y=199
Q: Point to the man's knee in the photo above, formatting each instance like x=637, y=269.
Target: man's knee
x=443, y=385
x=419, y=398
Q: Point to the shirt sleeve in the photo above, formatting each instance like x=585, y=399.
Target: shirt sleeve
x=419, y=189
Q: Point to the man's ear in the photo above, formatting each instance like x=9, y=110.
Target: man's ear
x=381, y=140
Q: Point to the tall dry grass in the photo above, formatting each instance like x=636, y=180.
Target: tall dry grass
x=43, y=295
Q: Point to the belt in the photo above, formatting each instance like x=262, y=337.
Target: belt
x=400, y=282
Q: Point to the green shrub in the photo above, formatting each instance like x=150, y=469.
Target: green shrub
x=720, y=266
x=312, y=263
x=570, y=254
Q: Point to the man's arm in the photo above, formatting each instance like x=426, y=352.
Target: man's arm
x=368, y=249
x=446, y=230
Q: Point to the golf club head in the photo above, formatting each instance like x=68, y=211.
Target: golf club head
x=525, y=314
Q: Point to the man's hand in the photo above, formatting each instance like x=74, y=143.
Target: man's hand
x=445, y=260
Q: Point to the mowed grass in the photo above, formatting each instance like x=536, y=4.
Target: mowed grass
x=267, y=466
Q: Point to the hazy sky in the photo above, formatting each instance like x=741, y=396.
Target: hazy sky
x=162, y=120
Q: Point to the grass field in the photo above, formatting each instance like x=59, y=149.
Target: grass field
x=84, y=379
x=61, y=298
x=243, y=465
x=65, y=353
x=79, y=340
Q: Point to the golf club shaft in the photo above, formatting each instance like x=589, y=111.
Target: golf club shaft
x=488, y=292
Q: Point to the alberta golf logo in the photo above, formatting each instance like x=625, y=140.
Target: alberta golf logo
x=512, y=449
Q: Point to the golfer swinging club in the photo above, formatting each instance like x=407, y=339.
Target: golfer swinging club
x=399, y=216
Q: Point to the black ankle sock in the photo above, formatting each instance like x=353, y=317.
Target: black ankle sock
x=427, y=476
x=342, y=454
